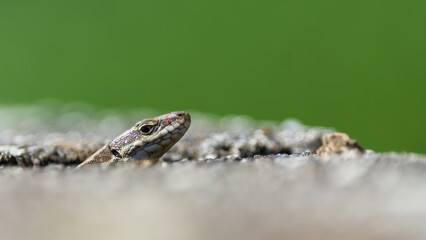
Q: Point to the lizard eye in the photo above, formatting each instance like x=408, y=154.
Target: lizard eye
x=146, y=129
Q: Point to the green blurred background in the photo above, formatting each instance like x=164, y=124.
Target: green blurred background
x=357, y=66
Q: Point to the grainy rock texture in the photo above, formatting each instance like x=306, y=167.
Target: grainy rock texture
x=228, y=179
x=338, y=143
x=70, y=137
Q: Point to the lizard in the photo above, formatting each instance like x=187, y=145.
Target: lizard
x=142, y=144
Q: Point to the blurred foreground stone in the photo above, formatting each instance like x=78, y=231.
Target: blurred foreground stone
x=227, y=179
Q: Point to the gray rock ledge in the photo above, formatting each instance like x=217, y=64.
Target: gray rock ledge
x=222, y=181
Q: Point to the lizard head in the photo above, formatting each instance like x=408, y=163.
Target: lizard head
x=150, y=138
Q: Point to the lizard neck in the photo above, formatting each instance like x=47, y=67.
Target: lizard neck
x=101, y=156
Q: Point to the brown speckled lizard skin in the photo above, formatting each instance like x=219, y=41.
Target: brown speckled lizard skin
x=144, y=143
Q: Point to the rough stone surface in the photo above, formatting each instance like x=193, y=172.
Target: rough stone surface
x=67, y=140
x=228, y=179
x=337, y=143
